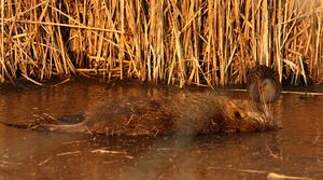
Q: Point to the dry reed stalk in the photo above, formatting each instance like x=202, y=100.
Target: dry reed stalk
x=3, y=67
x=199, y=42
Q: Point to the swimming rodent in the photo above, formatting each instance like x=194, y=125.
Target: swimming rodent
x=175, y=113
x=263, y=84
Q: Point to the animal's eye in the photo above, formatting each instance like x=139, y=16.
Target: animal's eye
x=237, y=115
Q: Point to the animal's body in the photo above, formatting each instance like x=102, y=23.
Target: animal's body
x=179, y=113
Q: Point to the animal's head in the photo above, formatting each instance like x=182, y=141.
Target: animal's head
x=243, y=116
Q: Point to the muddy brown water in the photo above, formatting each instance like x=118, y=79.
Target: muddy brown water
x=295, y=150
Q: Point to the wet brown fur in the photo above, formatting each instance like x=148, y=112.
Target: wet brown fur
x=173, y=114
x=263, y=84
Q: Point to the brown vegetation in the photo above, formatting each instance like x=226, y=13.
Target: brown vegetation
x=177, y=41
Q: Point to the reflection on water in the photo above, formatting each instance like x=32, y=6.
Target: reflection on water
x=296, y=150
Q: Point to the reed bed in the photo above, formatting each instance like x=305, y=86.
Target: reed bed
x=203, y=42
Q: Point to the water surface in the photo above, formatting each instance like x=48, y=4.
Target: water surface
x=296, y=150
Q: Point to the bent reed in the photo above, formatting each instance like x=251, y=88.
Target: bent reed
x=203, y=42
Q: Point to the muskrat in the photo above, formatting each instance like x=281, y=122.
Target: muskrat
x=263, y=84
x=174, y=113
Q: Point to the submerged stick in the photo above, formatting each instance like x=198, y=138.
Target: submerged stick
x=285, y=92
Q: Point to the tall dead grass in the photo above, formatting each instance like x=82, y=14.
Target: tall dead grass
x=202, y=42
